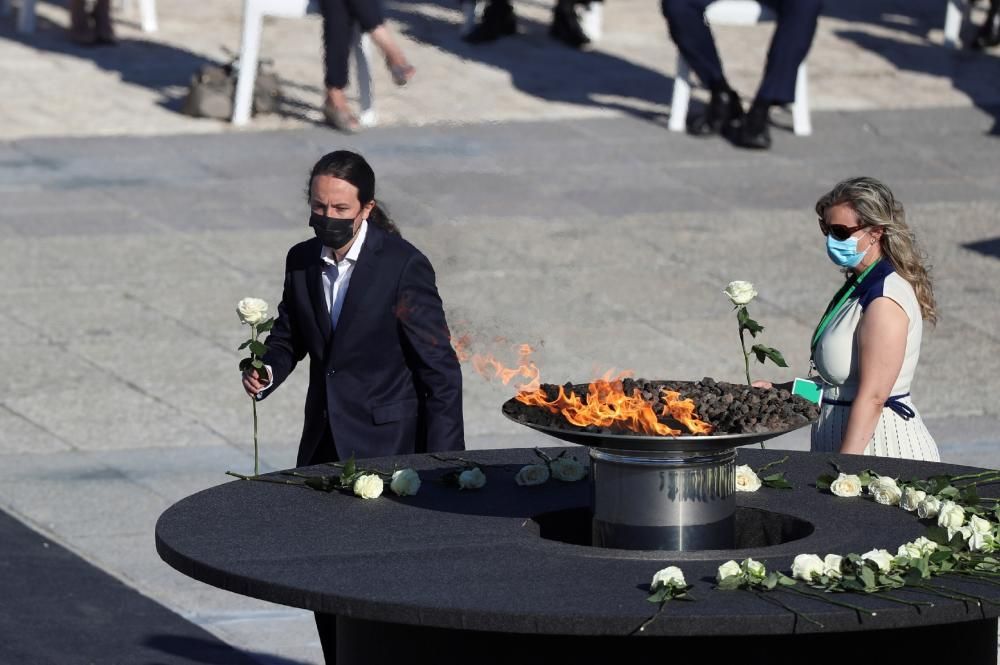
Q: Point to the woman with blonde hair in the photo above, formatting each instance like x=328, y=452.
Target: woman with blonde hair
x=867, y=343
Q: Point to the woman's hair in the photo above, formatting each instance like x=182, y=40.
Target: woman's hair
x=352, y=167
x=874, y=205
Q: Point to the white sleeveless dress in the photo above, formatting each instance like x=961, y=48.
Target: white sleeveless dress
x=836, y=359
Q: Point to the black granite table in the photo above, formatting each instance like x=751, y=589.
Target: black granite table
x=505, y=574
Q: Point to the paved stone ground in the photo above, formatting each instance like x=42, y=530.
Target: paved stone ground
x=543, y=186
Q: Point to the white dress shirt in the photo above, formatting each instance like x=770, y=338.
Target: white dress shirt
x=337, y=274
x=336, y=279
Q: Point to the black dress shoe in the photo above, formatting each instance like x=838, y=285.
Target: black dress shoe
x=566, y=26
x=723, y=110
x=753, y=131
x=498, y=21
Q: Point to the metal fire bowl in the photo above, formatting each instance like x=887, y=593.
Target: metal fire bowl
x=706, y=443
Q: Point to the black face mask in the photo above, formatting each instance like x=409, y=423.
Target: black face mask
x=332, y=231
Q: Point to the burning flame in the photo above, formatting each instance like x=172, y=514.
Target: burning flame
x=487, y=365
x=606, y=404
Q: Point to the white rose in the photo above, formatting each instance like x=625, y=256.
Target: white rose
x=368, y=486
x=740, y=292
x=251, y=310
x=917, y=548
x=746, y=479
x=886, y=491
x=471, y=479
x=568, y=469
x=533, y=474
x=832, y=566
x=979, y=525
x=982, y=542
x=405, y=482
x=951, y=516
x=929, y=507
x=755, y=570
x=846, y=485
x=727, y=570
x=807, y=566
x=911, y=499
x=882, y=559
x=670, y=576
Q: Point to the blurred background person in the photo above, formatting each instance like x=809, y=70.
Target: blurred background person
x=499, y=20
x=725, y=114
x=340, y=18
x=93, y=27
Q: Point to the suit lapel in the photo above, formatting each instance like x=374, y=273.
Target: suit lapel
x=317, y=296
x=362, y=278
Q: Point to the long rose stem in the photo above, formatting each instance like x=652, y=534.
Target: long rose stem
x=253, y=398
x=743, y=345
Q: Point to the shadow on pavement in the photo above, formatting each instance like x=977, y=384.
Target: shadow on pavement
x=210, y=652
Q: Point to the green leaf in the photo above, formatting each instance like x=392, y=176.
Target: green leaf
x=868, y=577
x=266, y=325
x=970, y=495
x=350, y=467
x=785, y=580
x=244, y=345
x=938, y=534
x=776, y=481
x=257, y=363
x=824, y=481
x=949, y=492
x=730, y=583
x=764, y=352
x=748, y=324
x=257, y=349
x=245, y=364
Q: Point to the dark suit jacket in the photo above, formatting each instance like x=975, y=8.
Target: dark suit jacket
x=387, y=382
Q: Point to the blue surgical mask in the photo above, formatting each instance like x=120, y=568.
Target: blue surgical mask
x=845, y=252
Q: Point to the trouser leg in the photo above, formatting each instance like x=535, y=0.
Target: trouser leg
x=337, y=26
x=366, y=13
x=791, y=41
x=686, y=22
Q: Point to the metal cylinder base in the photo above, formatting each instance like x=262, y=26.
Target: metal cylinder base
x=664, y=500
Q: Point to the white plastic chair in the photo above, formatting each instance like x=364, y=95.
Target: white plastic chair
x=26, y=14
x=738, y=12
x=254, y=12
x=591, y=18
x=956, y=13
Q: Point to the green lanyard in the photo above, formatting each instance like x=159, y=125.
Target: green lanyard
x=837, y=303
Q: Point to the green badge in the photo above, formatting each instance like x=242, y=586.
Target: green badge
x=809, y=389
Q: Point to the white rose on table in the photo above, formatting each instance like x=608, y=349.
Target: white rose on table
x=951, y=516
x=368, y=486
x=917, y=548
x=251, y=310
x=746, y=479
x=568, y=469
x=532, y=474
x=727, y=570
x=755, y=570
x=979, y=525
x=471, y=479
x=832, y=566
x=911, y=499
x=982, y=542
x=405, y=482
x=670, y=576
x=807, y=566
x=881, y=558
x=847, y=485
x=886, y=491
x=740, y=292
x=929, y=507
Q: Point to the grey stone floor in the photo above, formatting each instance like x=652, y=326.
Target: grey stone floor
x=605, y=242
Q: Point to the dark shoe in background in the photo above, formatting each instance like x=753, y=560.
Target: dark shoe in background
x=723, y=111
x=566, y=26
x=754, y=131
x=498, y=21
x=989, y=33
